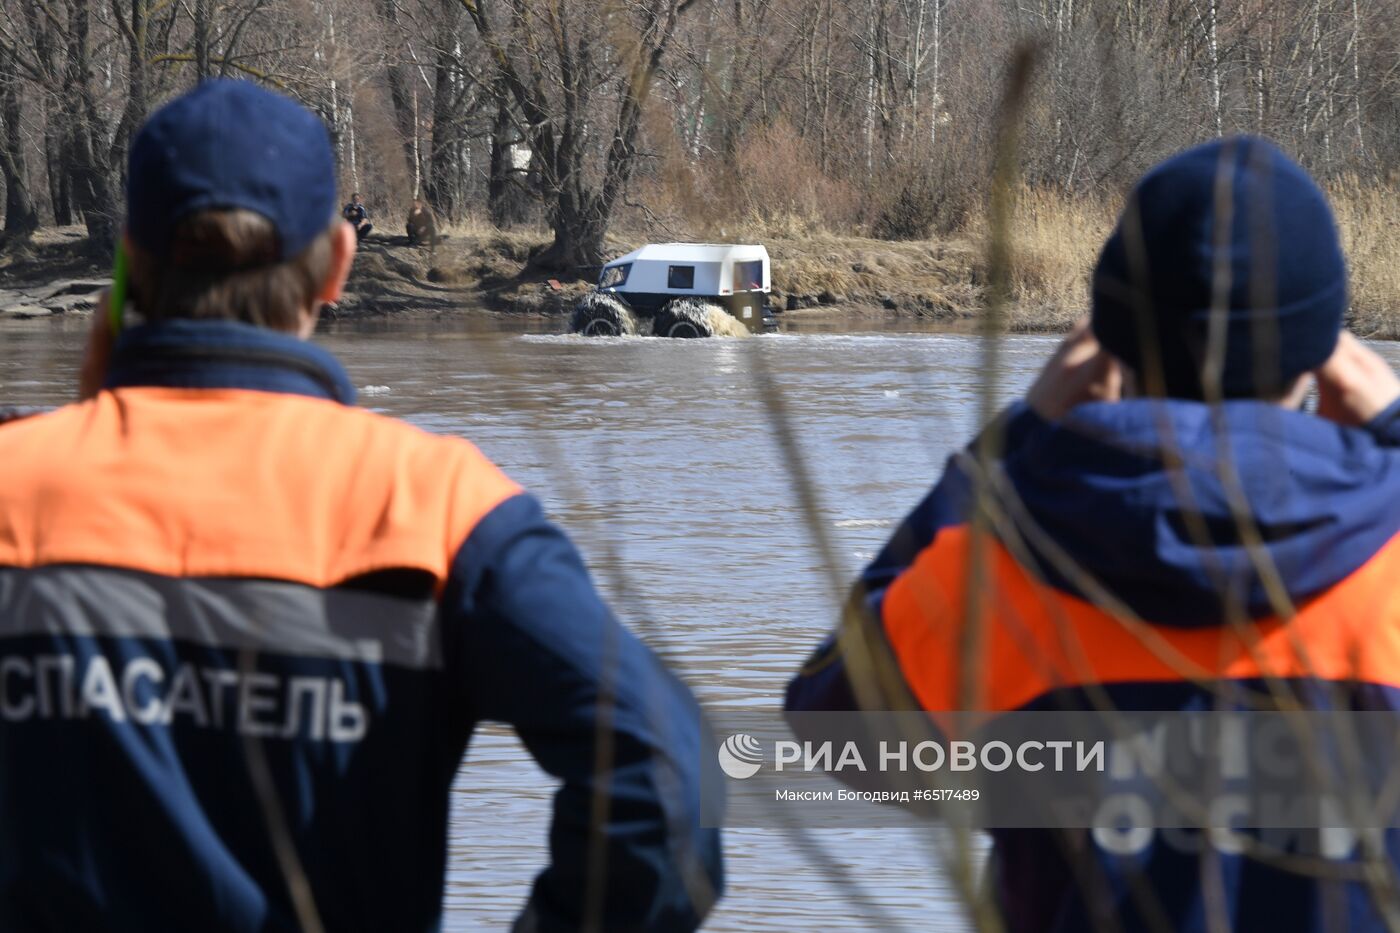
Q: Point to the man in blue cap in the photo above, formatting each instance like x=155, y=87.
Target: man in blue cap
x=1166, y=529
x=248, y=629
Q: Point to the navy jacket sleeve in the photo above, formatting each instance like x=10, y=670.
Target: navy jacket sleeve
x=1385, y=427
x=541, y=652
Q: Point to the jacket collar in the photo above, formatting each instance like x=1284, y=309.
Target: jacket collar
x=225, y=355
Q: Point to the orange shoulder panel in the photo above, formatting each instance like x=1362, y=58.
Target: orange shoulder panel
x=237, y=483
x=1034, y=638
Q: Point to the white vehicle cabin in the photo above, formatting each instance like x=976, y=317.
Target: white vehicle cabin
x=737, y=278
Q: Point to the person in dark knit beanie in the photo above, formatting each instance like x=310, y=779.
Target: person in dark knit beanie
x=1231, y=238
x=1165, y=528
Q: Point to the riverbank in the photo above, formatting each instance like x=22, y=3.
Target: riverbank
x=816, y=274
x=477, y=267
x=813, y=276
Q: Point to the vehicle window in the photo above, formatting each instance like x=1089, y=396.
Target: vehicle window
x=680, y=277
x=614, y=276
x=748, y=276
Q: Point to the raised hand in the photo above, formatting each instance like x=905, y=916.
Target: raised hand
x=1080, y=371
x=1355, y=384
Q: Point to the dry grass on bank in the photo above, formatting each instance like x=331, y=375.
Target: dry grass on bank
x=1056, y=241
x=928, y=278
x=1369, y=217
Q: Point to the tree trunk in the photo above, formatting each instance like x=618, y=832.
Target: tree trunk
x=92, y=192
x=137, y=98
x=21, y=217
x=871, y=72
x=86, y=159
x=1356, y=77
x=936, y=93
x=399, y=94
x=579, y=230
x=441, y=189
x=504, y=199
x=1312, y=66
x=201, y=40
x=498, y=179
x=1213, y=36
x=60, y=194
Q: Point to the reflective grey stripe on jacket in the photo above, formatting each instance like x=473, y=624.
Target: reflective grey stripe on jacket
x=260, y=615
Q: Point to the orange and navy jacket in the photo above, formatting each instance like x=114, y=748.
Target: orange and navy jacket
x=1130, y=579
x=246, y=633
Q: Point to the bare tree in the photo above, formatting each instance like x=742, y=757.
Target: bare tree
x=21, y=216
x=553, y=58
x=502, y=108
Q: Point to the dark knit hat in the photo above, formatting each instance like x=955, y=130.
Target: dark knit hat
x=1236, y=214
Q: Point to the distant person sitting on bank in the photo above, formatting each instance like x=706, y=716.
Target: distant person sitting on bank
x=1166, y=529
x=421, y=225
x=356, y=215
x=281, y=618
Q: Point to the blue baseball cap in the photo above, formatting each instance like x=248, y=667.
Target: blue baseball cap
x=231, y=144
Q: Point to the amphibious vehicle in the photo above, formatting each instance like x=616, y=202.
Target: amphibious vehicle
x=680, y=290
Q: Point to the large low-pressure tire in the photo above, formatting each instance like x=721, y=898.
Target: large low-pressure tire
x=693, y=317
x=685, y=318
x=599, y=315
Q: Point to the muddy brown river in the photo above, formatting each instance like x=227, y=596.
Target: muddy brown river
x=660, y=458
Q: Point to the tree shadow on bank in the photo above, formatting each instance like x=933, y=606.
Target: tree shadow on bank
x=50, y=253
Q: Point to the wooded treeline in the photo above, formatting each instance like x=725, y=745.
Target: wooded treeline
x=709, y=116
